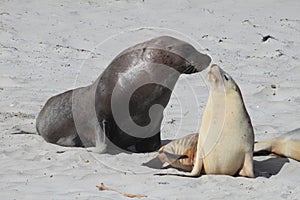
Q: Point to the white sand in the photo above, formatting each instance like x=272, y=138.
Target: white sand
x=40, y=56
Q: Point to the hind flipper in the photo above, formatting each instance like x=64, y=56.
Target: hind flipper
x=264, y=146
x=247, y=169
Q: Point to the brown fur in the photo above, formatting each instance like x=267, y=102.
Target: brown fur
x=84, y=116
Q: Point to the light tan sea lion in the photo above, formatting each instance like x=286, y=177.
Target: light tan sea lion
x=287, y=145
x=226, y=138
x=179, y=154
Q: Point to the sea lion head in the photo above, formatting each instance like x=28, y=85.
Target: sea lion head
x=220, y=80
x=168, y=51
x=194, y=60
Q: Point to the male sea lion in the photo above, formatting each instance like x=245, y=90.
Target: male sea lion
x=287, y=145
x=124, y=106
x=226, y=138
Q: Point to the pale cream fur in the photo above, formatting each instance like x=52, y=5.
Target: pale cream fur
x=225, y=144
x=287, y=145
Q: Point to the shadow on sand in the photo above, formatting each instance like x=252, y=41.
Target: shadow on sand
x=269, y=167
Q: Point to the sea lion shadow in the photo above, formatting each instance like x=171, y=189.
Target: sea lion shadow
x=114, y=150
x=269, y=167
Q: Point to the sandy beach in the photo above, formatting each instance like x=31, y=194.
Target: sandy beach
x=48, y=47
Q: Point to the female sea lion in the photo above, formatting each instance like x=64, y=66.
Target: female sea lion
x=287, y=145
x=226, y=138
x=124, y=106
x=179, y=153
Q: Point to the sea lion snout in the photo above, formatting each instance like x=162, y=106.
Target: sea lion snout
x=198, y=60
x=214, y=73
x=218, y=77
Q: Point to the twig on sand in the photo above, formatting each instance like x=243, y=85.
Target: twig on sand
x=103, y=187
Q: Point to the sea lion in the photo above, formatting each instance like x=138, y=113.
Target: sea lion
x=124, y=106
x=287, y=145
x=226, y=137
x=179, y=153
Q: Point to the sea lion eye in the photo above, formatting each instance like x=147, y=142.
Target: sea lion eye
x=226, y=77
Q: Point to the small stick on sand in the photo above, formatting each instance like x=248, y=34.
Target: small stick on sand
x=103, y=187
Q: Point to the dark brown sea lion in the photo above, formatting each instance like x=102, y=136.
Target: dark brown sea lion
x=124, y=106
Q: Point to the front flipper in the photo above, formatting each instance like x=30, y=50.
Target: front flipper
x=162, y=157
x=173, y=157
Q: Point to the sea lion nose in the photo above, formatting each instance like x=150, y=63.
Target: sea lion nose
x=213, y=66
x=210, y=69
